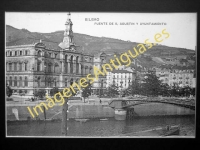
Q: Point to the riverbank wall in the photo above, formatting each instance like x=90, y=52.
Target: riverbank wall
x=75, y=111
x=87, y=111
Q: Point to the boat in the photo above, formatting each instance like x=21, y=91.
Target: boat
x=172, y=131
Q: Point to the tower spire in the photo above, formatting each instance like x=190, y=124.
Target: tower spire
x=68, y=41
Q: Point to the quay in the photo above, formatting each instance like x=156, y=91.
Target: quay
x=93, y=108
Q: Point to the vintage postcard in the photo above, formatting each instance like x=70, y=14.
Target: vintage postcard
x=90, y=74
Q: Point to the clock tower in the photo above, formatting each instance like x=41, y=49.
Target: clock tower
x=68, y=41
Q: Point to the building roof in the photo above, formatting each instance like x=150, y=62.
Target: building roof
x=121, y=71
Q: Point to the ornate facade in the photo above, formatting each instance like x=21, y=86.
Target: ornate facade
x=35, y=66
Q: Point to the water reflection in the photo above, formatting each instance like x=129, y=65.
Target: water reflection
x=99, y=128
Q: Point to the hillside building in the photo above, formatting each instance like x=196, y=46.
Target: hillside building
x=122, y=77
x=182, y=76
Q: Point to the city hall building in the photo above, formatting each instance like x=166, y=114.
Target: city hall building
x=30, y=67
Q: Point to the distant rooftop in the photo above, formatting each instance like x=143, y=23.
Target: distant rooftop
x=121, y=71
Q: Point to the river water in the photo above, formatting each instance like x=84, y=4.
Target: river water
x=95, y=127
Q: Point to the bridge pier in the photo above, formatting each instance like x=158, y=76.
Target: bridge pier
x=120, y=114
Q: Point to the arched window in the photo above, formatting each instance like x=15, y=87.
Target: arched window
x=66, y=67
x=49, y=83
x=38, y=81
x=49, y=67
x=45, y=66
x=66, y=58
x=25, y=67
x=66, y=64
x=26, y=82
x=39, y=54
x=20, y=81
x=81, y=69
x=56, y=68
x=20, y=66
x=77, y=65
x=15, y=66
x=10, y=53
x=46, y=54
x=90, y=69
x=10, y=66
x=26, y=52
x=10, y=81
x=65, y=82
x=71, y=64
x=15, y=53
x=15, y=81
x=38, y=66
x=46, y=84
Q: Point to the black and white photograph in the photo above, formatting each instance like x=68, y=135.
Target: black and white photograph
x=100, y=74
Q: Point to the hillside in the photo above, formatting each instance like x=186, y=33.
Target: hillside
x=90, y=44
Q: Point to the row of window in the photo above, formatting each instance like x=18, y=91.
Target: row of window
x=118, y=76
x=13, y=67
x=17, y=53
x=126, y=81
x=55, y=55
x=14, y=80
x=47, y=54
x=119, y=84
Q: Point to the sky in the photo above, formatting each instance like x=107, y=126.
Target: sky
x=182, y=27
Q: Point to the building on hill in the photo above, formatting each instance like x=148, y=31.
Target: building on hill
x=44, y=65
x=183, y=76
x=122, y=77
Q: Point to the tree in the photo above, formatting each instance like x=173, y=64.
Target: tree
x=186, y=91
x=86, y=91
x=175, y=89
x=151, y=84
x=9, y=91
x=54, y=91
x=134, y=88
x=40, y=93
x=164, y=89
x=112, y=90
